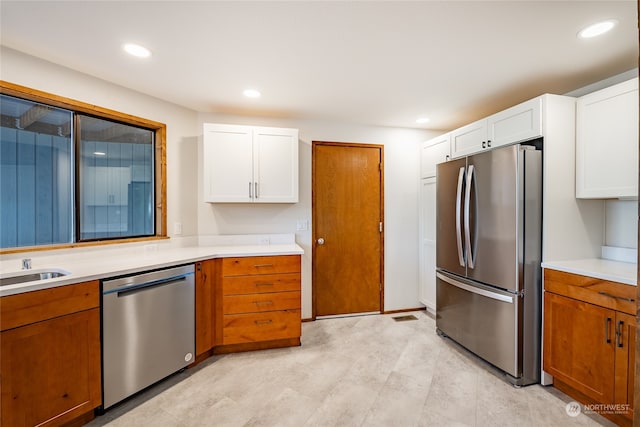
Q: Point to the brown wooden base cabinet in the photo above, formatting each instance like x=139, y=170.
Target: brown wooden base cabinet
x=204, y=309
x=257, y=303
x=50, y=344
x=589, y=341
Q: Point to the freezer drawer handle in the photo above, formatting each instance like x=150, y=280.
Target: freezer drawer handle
x=458, y=216
x=474, y=290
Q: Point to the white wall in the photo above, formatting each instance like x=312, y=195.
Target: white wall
x=35, y=73
x=621, y=223
x=184, y=189
x=402, y=166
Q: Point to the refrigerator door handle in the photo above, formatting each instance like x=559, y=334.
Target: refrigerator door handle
x=474, y=289
x=461, y=259
x=467, y=207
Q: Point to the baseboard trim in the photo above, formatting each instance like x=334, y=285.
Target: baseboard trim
x=404, y=310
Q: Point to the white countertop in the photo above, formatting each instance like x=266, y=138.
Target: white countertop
x=615, y=271
x=85, y=265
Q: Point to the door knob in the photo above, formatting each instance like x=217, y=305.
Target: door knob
x=320, y=241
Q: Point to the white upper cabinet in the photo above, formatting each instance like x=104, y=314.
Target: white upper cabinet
x=247, y=164
x=469, y=139
x=518, y=123
x=607, y=143
x=521, y=122
x=434, y=151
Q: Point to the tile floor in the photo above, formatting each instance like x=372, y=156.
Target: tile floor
x=355, y=371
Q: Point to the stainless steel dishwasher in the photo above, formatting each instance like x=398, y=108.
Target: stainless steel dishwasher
x=148, y=329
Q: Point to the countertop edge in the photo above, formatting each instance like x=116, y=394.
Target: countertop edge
x=147, y=262
x=614, y=271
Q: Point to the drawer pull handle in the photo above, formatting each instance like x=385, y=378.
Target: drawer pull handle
x=262, y=265
x=264, y=284
x=263, y=322
x=606, y=294
x=263, y=302
x=607, y=326
x=619, y=331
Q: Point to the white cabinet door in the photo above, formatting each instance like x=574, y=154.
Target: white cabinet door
x=434, y=151
x=518, y=123
x=427, y=290
x=275, y=165
x=607, y=143
x=228, y=163
x=469, y=139
x=246, y=164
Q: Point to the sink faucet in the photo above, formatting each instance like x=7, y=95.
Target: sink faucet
x=26, y=264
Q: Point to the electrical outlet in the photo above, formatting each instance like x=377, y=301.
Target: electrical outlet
x=265, y=241
x=302, y=225
x=177, y=228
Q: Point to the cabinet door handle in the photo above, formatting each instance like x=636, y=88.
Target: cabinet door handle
x=619, y=331
x=484, y=144
x=250, y=190
x=262, y=265
x=263, y=302
x=606, y=294
x=255, y=191
x=489, y=143
x=607, y=327
x=263, y=322
x=263, y=284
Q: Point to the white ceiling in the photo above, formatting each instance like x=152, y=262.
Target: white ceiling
x=375, y=63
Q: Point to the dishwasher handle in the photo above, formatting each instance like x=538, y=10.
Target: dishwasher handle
x=138, y=287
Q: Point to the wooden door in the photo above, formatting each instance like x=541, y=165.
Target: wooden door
x=579, y=340
x=347, y=228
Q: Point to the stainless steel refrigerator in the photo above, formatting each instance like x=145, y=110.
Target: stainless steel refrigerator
x=488, y=253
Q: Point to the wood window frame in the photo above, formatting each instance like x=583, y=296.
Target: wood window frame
x=160, y=159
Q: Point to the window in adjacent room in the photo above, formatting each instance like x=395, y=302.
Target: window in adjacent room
x=72, y=173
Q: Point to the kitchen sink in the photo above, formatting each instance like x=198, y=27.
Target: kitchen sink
x=31, y=276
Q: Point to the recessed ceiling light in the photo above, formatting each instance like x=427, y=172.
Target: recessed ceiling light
x=99, y=153
x=422, y=120
x=137, y=50
x=597, y=29
x=251, y=93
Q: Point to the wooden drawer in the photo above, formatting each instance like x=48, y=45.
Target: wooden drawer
x=30, y=307
x=240, y=285
x=242, y=266
x=251, y=303
x=612, y=295
x=255, y=327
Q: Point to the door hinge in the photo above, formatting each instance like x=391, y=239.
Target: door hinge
x=380, y=287
x=380, y=167
x=380, y=226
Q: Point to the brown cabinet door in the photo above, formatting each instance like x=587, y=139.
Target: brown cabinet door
x=51, y=370
x=579, y=345
x=204, y=305
x=625, y=358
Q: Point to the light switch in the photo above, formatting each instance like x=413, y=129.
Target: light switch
x=177, y=228
x=302, y=225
